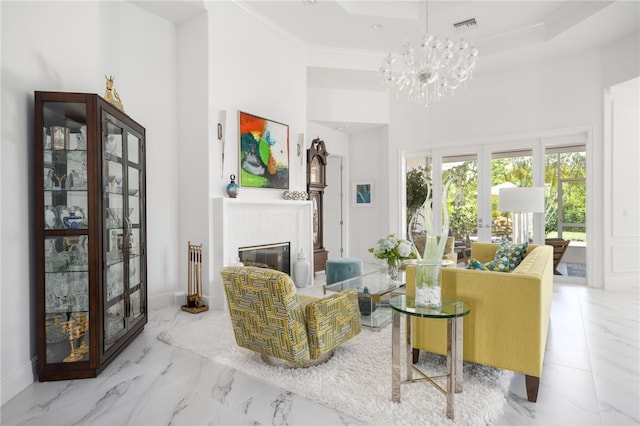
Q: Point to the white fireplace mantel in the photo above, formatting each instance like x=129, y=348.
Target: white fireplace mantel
x=239, y=222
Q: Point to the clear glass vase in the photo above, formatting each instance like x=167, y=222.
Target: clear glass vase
x=428, y=290
x=393, y=273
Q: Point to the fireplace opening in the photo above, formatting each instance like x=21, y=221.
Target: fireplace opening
x=272, y=256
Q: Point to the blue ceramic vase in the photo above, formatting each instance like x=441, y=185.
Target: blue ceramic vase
x=232, y=187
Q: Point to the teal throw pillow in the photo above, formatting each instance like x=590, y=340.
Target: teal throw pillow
x=514, y=252
x=476, y=264
x=499, y=265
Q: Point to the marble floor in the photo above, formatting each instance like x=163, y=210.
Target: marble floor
x=591, y=377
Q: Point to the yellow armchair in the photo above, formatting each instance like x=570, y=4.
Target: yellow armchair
x=509, y=320
x=269, y=317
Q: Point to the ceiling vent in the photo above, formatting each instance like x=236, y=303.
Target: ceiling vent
x=464, y=26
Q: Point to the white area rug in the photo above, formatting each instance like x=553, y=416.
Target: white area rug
x=357, y=380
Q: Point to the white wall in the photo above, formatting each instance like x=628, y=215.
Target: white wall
x=70, y=46
x=369, y=161
x=620, y=60
x=336, y=141
x=622, y=179
x=355, y=106
x=620, y=205
x=256, y=69
x=553, y=94
x=195, y=145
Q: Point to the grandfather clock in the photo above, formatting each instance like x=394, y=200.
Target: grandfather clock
x=316, y=183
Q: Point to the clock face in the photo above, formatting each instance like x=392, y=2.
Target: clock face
x=315, y=171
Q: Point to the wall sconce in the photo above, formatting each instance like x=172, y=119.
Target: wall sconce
x=222, y=124
x=300, y=146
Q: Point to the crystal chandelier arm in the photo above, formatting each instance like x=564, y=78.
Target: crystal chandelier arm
x=426, y=16
x=431, y=70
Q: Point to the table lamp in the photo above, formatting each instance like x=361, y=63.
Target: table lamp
x=521, y=202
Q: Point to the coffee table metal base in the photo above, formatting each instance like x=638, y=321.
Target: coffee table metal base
x=454, y=374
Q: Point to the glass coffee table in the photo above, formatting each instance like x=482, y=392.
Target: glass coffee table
x=452, y=310
x=374, y=293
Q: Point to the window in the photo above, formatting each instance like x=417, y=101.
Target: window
x=509, y=169
x=418, y=174
x=462, y=199
x=566, y=198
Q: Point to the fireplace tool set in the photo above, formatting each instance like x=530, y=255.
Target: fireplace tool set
x=194, y=283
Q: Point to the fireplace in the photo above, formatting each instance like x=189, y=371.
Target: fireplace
x=248, y=222
x=272, y=256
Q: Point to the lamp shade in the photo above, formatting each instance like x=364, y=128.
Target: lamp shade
x=525, y=200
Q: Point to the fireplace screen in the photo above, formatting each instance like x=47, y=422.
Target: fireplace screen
x=272, y=256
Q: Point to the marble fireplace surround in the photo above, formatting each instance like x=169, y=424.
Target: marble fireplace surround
x=239, y=222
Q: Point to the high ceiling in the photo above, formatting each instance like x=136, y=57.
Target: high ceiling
x=507, y=32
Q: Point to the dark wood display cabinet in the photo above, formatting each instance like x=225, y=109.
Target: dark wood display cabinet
x=90, y=233
x=316, y=183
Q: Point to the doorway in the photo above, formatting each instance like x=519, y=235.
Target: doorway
x=334, y=208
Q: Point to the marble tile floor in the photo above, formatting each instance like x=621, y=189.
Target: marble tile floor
x=591, y=377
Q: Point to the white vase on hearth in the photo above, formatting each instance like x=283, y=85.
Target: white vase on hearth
x=301, y=270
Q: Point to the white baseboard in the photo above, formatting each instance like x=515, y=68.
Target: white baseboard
x=173, y=298
x=166, y=299
x=19, y=380
x=621, y=283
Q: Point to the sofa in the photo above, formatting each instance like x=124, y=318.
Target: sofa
x=509, y=320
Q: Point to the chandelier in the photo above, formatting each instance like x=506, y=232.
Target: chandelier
x=428, y=72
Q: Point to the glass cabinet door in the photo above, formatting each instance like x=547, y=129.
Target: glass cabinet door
x=135, y=186
x=65, y=224
x=123, y=206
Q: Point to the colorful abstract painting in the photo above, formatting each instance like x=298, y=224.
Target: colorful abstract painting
x=264, y=153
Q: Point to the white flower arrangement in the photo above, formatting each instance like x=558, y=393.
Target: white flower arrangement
x=393, y=249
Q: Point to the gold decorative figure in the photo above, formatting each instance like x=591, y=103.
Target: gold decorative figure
x=76, y=330
x=111, y=95
x=194, y=281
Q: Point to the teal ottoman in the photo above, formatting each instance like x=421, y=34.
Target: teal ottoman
x=342, y=269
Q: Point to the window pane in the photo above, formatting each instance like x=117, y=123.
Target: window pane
x=565, y=182
x=573, y=165
x=462, y=199
x=418, y=174
x=507, y=172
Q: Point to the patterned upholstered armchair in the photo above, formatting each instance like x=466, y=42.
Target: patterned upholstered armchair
x=268, y=316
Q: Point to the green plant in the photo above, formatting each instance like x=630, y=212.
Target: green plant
x=417, y=190
x=463, y=222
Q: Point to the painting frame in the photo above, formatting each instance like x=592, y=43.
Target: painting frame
x=263, y=152
x=363, y=193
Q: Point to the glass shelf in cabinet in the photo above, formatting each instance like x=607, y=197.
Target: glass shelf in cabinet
x=114, y=257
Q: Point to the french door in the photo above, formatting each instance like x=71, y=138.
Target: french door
x=476, y=175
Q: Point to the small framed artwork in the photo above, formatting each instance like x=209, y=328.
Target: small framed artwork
x=264, y=152
x=363, y=195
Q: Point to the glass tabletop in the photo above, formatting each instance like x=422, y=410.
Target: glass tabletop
x=450, y=308
x=375, y=283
